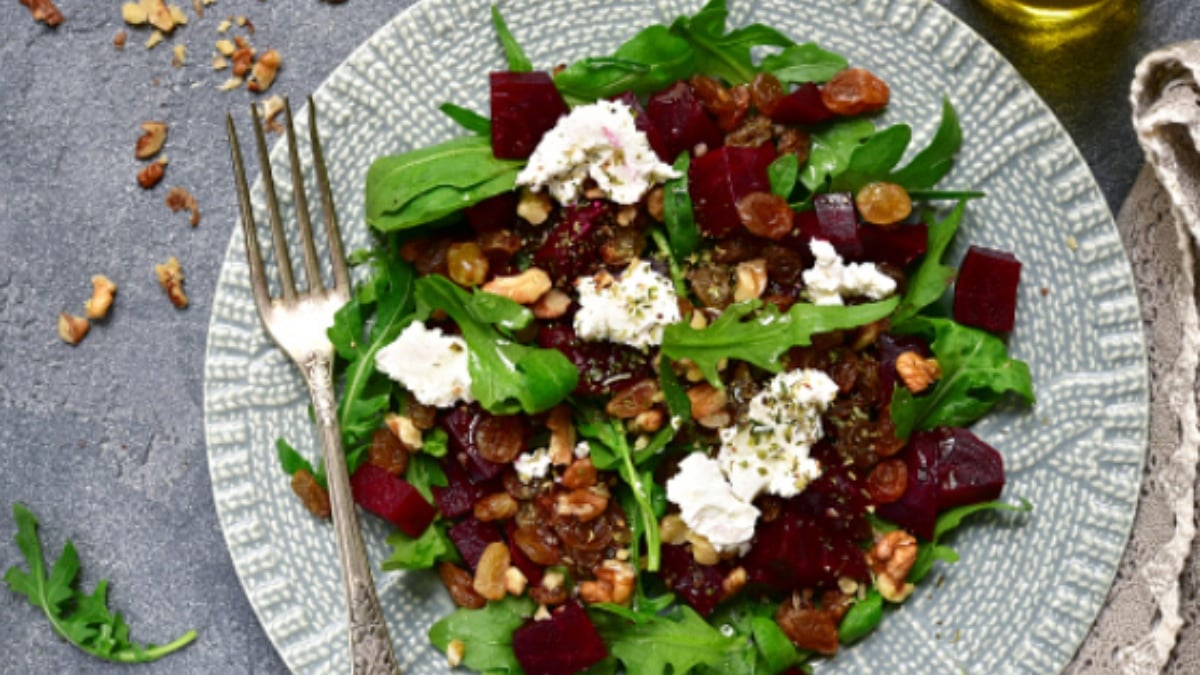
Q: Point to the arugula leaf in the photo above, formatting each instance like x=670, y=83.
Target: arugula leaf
x=650, y=61
x=499, y=310
x=864, y=616
x=424, y=474
x=768, y=651
x=292, y=461
x=664, y=247
x=932, y=278
x=421, y=186
x=423, y=552
x=678, y=217
x=517, y=61
x=83, y=620
x=665, y=645
x=487, y=634
x=782, y=174
x=930, y=552
x=506, y=376
x=608, y=432
x=678, y=403
x=799, y=64
x=762, y=339
x=872, y=160
x=935, y=161
x=436, y=443
x=467, y=119
x=976, y=373
x=832, y=147
x=721, y=54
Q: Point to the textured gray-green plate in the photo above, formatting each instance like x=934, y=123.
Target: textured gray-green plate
x=1026, y=590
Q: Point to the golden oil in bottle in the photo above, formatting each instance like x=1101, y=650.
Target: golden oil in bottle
x=1051, y=13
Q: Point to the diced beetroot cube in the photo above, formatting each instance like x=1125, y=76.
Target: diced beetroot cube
x=641, y=121
x=917, y=510
x=564, y=644
x=524, y=107
x=898, y=245
x=890, y=348
x=604, y=367
x=985, y=294
x=719, y=178
x=832, y=219
x=698, y=585
x=462, y=425
x=570, y=249
x=493, y=213
x=392, y=499
x=459, y=497
x=471, y=536
x=969, y=471
x=532, y=571
x=802, y=106
x=681, y=121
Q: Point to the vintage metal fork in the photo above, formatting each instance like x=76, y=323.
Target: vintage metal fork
x=297, y=322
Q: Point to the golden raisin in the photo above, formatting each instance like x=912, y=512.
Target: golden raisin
x=458, y=582
x=535, y=547
x=766, y=91
x=315, y=498
x=500, y=438
x=498, y=506
x=855, y=91
x=467, y=264
x=489, y=573
x=633, y=400
x=888, y=481
x=387, y=452
x=728, y=105
x=882, y=203
x=766, y=215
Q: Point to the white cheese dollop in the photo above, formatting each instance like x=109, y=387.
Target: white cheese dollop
x=632, y=310
x=583, y=449
x=708, y=505
x=532, y=465
x=601, y=142
x=430, y=364
x=770, y=451
x=831, y=280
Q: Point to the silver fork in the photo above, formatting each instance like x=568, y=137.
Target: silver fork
x=297, y=322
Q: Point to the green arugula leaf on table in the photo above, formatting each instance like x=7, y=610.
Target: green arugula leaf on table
x=976, y=373
x=678, y=216
x=83, y=620
x=650, y=61
x=666, y=644
x=762, y=338
x=933, y=163
x=932, y=551
x=467, y=119
x=506, y=376
x=424, y=474
x=932, y=277
x=721, y=54
x=873, y=159
x=487, y=633
x=425, y=185
x=418, y=553
x=799, y=64
x=782, y=174
x=517, y=61
x=832, y=147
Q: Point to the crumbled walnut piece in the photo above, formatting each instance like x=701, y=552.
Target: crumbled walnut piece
x=595, y=591
x=454, y=652
x=119, y=39
x=620, y=578
x=44, y=11
x=552, y=305
x=648, y=422
x=154, y=135
x=155, y=39
x=243, y=59
x=891, y=559
x=751, y=279
x=178, y=199
x=491, y=570
x=133, y=14
x=515, y=581
x=734, y=581
x=562, y=435
x=270, y=110
x=264, y=72
x=917, y=372
x=103, y=290
x=405, y=430
x=241, y=42
x=524, y=288
x=626, y=215
x=72, y=328
x=220, y=62
x=230, y=84
x=585, y=504
x=534, y=207
x=178, y=55
x=159, y=15
x=703, y=551
x=198, y=8
x=673, y=530
x=150, y=176
x=224, y=26
x=225, y=48
x=177, y=15
x=707, y=400
x=170, y=277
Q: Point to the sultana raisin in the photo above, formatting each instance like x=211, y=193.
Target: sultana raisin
x=629, y=401
x=580, y=474
x=728, y=105
x=500, y=438
x=315, y=498
x=467, y=264
x=882, y=203
x=497, y=506
x=387, y=452
x=855, y=91
x=541, y=548
x=766, y=215
x=458, y=581
x=766, y=91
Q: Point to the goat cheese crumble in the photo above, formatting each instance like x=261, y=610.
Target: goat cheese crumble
x=598, y=141
x=709, y=507
x=769, y=453
x=430, y=364
x=532, y=465
x=830, y=280
x=632, y=309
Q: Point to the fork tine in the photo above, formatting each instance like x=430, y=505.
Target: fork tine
x=315, y=282
x=258, y=278
x=341, y=274
x=286, y=281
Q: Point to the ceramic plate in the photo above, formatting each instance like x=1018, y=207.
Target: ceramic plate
x=1026, y=590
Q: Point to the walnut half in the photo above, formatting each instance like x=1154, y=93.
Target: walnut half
x=170, y=277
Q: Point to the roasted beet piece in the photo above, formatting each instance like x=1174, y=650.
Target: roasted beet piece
x=897, y=245
x=471, y=536
x=985, y=294
x=493, y=213
x=681, y=120
x=392, y=499
x=803, y=106
x=719, y=178
x=524, y=107
x=833, y=219
x=459, y=497
x=604, y=367
x=462, y=425
x=641, y=121
x=563, y=645
x=917, y=510
x=699, y=585
x=969, y=471
x=570, y=249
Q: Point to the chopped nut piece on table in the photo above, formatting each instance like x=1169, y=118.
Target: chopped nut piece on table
x=44, y=11
x=179, y=199
x=72, y=328
x=170, y=277
x=119, y=39
x=154, y=135
x=103, y=290
x=265, y=69
x=150, y=176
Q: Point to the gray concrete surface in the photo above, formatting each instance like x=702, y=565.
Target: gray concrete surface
x=105, y=441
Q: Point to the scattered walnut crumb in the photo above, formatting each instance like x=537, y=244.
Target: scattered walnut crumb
x=179, y=55
x=198, y=8
x=46, y=12
x=155, y=39
x=225, y=48
x=241, y=42
x=103, y=290
x=1045, y=291
x=178, y=16
x=154, y=135
x=243, y=59
x=231, y=83
x=119, y=39
x=179, y=199
x=224, y=26
x=917, y=372
x=270, y=110
x=150, y=176
x=72, y=328
x=220, y=62
x=170, y=277
x=159, y=15
x=134, y=14
x=264, y=72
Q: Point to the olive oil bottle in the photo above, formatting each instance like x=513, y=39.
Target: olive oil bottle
x=1049, y=13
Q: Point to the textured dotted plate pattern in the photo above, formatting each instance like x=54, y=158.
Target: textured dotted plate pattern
x=1027, y=588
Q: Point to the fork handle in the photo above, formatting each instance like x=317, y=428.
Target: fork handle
x=370, y=645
